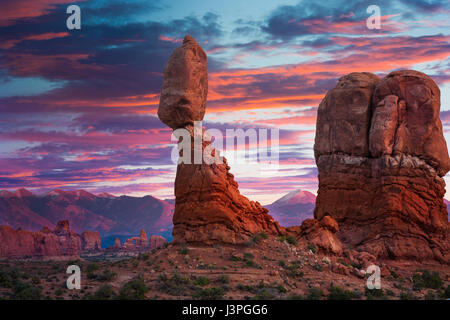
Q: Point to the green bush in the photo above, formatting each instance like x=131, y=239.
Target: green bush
x=314, y=294
x=133, y=290
x=427, y=280
x=312, y=247
x=92, y=267
x=288, y=239
x=375, y=294
x=201, y=281
x=25, y=291
x=105, y=292
x=223, y=279
x=337, y=293
x=257, y=238
x=183, y=249
x=214, y=293
x=176, y=285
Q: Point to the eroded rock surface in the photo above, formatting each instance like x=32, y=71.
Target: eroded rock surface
x=209, y=207
x=381, y=156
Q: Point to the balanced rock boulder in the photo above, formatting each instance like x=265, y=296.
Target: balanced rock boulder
x=185, y=86
x=381, y=156
x=209, y=207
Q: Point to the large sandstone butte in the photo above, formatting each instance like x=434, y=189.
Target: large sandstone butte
x=381, y=157
x=209, y=207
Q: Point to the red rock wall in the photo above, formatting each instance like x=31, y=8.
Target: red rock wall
x=381, y=156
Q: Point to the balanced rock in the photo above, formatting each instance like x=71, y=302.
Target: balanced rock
x=381, y=156
x=209, y=207
x=185, y=86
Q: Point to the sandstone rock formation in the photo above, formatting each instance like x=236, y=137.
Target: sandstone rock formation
x=156, y=242
x=322, y=234
x=185, y=86
x=381, y=156
x=117, y=244
x=136, y=243
x=45, y=243
x=90, y=240
x=209, y=207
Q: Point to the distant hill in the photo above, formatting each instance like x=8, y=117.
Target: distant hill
x=108, y=214
x=293, y=208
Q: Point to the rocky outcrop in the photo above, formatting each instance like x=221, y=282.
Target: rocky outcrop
x=209, y=207
x=136, y=243
x=381, y=156
x=322, y=234
x=117, y=244
x=91, y=241
x=156, y=242
x=46, y=243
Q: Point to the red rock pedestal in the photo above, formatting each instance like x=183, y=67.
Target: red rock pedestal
x=381, y=157
x=209, y=207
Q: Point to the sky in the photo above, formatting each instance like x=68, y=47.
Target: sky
x=78, y=107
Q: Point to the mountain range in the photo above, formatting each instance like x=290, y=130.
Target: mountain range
x=105, y=213
x=122, y=216
x=293, y=208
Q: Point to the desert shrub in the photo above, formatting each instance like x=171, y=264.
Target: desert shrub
x=105, y=292
x=249, y=262
x=375, y=294
x=394, y=274
x=35, y=280
x=257, y=238
x=201, y=281
x=317, y=267
x=314, y=294
x=6, y=280
x=183, y=249
x=107, y=275
x=312, y=247
x=223, y=279
x=288, y=239
x=235, y=258
x=144, y=256
x=248, y=256
x=92, y=267
x=337, y=293
x=176, y=285
x=214, y=293
x=134, y=289
x=427, y=280
x=25, y=291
